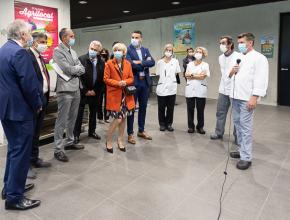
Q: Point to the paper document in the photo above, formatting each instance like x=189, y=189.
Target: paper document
x=59, y=71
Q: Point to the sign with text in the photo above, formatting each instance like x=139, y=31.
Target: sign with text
x=267, y=46
x=183, y=37
x=42, y=19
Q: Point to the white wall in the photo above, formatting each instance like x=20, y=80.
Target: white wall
x=7, y=16
x=259, y=19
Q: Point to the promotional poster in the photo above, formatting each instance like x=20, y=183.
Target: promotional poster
x=183, y=37
x=41, y=18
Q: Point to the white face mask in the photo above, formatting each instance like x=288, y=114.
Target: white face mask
x=168, y=54
x=198, y=56
x=41, y=48
x=223, y=48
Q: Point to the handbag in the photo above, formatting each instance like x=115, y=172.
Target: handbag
x=128, y=90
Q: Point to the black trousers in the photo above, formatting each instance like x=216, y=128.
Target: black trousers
x=199, y=103
x=92, y=101
x=102, y=112
x=166, y=109
x=37, y=128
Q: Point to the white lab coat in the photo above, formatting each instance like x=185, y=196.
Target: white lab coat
x=167, y=84
x=194, y=87
x=226, y=65
x=252, y=78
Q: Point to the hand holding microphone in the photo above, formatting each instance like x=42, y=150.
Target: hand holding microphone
x=236, y=68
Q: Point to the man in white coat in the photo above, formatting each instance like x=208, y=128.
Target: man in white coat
x=226, y=60
x=249, y=83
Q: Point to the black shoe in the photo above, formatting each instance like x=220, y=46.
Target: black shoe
x=243, y=165
x=216, y=137
x=170, y=128
x=121, y=148
x=40, y=164
x=61, y=156
x=235, y=154
x=110, y=150
x=200, y=130
x=190, y=130
x=27, y=187
x=23, y=204
x=74, y=147
x=162, y=128
x=95, y=136
x=76, y=140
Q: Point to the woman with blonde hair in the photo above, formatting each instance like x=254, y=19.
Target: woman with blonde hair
x=168, y=69
x=120, y=103
x=196, y=89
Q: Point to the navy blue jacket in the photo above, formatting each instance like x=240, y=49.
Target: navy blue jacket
x=147, y=62
x=19, y=89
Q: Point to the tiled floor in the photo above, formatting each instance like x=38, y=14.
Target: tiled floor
x=176, y=176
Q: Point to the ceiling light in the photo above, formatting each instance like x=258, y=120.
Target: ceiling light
x=89, y=17
x=126, y=11
x=83, y=2
x=175, y=3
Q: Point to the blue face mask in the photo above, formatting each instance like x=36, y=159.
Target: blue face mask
x=135, y=42
x=118, y=55
x=92, y=53
x=243, y=48
x=71, y=42
x=30, y=42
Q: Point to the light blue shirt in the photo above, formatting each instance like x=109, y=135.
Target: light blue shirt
x=139, y=52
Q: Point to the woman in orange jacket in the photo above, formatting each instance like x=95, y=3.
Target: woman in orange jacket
x=118, y=74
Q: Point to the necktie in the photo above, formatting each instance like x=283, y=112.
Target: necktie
x=94, y=71
x=44, y=70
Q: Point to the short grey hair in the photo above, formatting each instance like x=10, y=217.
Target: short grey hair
x=15, y=29
x=120, y=46
x=96, y=43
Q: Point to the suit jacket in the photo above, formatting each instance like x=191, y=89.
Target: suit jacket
x=87, y=78
x=147, y=62
x=114, y=91
x=19, y=89
x=70, y=65
x=38, y=74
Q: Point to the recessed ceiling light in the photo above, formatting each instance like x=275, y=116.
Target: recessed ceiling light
x=126, y=11
x=83, y=2
x=175, y=3
x=89, y=17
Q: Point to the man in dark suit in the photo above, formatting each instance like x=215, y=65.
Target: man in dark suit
x=39, y=46
x=92, y=85
x=20, y=101
x=141, y=60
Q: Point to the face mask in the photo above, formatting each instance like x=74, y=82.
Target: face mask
x=71, y=42
x=191, y=54
x=223, y=48
x=135, y=42
x=92, y=53
x=168, y=54
x=118, y=55
x=41, y=48
x=243, y=48
x=30, y=42
x=198, y=56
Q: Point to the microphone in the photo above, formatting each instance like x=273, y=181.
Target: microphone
x=238, y=61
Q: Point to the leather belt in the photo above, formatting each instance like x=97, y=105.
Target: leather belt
x=141, y=77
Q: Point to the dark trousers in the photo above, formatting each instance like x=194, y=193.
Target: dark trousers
x=199, y=103
x=92, y=101
x=19, y=135
x=166, y=109
x=102, y=112
x=142, y=95
x=38, y=125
